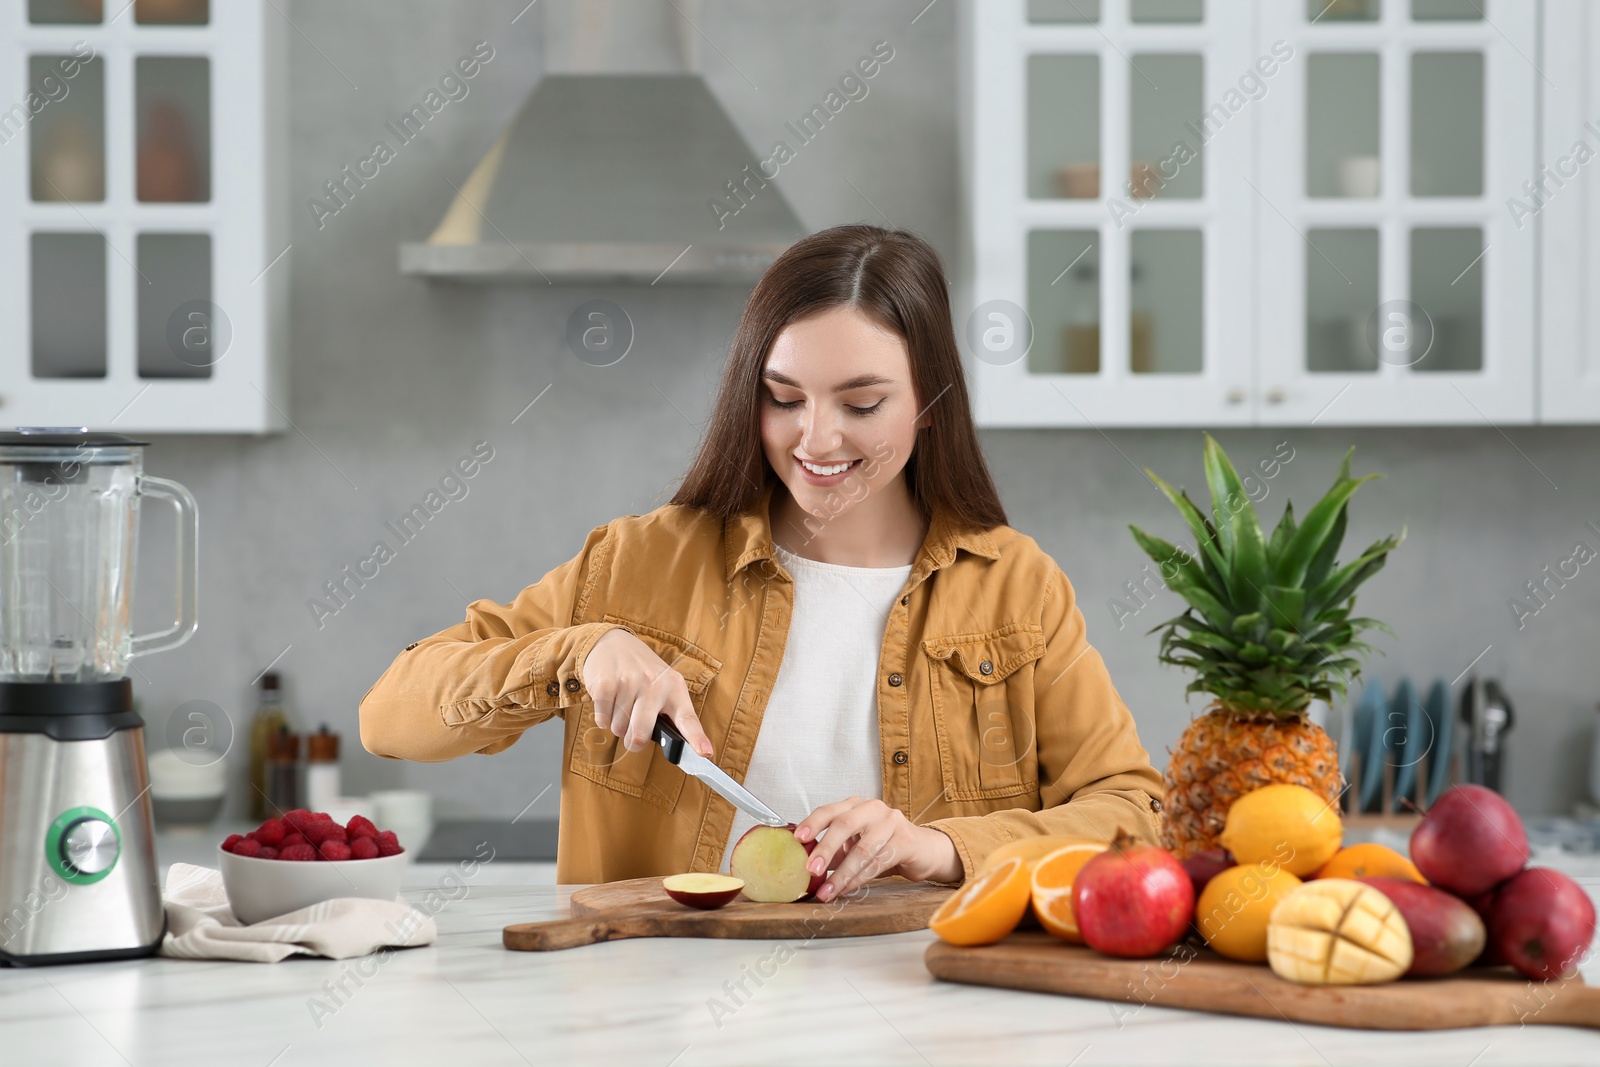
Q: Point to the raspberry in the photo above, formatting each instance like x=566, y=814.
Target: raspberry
x=232, y=839
x=290, y=840
x=299, y=853
x=363, y=848
x=297, y=820
x=389, y=844
x=334, y=850
x=321, y=816
x=320, y=831
x=268, y=853
x=270, y=832
x=247, y=847
x=360, y=826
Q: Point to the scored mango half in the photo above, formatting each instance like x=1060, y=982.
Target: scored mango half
x=1335, y=931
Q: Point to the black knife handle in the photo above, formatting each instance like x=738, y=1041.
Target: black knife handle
x=667, y=736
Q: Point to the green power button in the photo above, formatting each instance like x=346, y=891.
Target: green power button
x=83, y=845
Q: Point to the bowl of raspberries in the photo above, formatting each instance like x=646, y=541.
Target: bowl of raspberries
x=304, y=858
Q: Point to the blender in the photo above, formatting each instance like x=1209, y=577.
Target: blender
x=78, y=874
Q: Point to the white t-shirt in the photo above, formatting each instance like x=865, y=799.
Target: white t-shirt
x=819, y=735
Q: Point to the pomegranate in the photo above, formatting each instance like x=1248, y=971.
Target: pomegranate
x=1133, y=899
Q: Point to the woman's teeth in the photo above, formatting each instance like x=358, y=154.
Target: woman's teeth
x=833, y=468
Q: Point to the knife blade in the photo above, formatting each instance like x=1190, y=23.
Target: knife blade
x=690, y=762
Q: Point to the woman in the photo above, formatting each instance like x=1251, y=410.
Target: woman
x=831, y=608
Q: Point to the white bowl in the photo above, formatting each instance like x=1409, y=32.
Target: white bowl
x=263, y=889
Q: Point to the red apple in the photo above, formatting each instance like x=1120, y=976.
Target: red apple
x=1542, y=922
x=698, y=890
x=772, y=862
x=1204, y=866
x=1470, y=841
x=1133, y=899
x=1446, y=933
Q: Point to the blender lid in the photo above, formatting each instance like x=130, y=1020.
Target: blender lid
x=57, y=436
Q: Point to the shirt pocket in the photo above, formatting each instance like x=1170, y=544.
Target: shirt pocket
x=983, y=708
x=600, y=756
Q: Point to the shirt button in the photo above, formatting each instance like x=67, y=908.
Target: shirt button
x=895, y=679
x=901, y=758
x=572, y=685
x=1155, y=805
x=554, y=689
x=986, y=667
x=905, y=600
x=411, y=646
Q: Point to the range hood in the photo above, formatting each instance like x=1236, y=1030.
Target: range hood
x=620, y=167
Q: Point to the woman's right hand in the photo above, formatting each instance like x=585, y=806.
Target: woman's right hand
x=630, y=685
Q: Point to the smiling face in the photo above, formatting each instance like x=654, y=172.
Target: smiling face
x=839, y=416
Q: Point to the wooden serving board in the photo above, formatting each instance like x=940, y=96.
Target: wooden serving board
x=1200, y=979
x=639, y=907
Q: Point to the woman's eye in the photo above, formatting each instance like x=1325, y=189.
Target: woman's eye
x=865, y=411
x=784, y=404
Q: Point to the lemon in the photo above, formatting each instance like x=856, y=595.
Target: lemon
x=1237, y=904
x=1287, y=825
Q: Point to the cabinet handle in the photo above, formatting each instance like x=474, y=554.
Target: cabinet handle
x=1236, y=395
x=1276, y=396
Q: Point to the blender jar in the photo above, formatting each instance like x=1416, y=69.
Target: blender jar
x=69, y=531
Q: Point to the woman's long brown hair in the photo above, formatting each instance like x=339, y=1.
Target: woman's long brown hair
x=895, y=278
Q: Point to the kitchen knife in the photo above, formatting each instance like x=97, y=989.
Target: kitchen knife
x=686, y=759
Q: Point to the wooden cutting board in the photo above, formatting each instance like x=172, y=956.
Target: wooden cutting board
x=639, y=907
x=1207, y=982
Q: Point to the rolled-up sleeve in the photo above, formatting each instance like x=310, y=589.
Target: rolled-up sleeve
x=478, y=685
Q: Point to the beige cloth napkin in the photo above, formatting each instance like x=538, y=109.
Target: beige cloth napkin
x=200, y=925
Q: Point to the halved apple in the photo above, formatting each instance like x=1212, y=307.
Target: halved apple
x=699, y=890
x=772, y=862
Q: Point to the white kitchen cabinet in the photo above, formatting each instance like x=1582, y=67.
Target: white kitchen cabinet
x=1564, y=201
x=1308, y=220
x=143, y=227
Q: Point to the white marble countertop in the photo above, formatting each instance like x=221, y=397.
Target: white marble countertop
x=655, y=1003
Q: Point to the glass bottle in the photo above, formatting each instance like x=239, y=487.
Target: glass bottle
x=270, y=717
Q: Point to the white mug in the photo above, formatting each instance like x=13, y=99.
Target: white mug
x=408, y=812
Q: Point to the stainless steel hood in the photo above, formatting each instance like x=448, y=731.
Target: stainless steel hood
x=614, y=168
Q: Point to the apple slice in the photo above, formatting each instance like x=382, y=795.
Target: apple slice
x=700, y=890
x=772, y=862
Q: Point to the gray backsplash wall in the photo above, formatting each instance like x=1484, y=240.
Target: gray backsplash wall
x=394, y=378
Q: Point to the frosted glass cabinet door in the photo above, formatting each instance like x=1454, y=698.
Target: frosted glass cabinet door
x=1396, y=286
x=1112, y=227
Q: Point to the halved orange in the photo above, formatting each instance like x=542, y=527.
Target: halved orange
x=1051, y=888
x=986, y=908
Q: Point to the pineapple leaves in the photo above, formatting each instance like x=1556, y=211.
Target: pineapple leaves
x=1205, y=536
x=1240, y=530
x=1282, y=532
x=1269, y=624
x=1308, y=541
x=1188, y=579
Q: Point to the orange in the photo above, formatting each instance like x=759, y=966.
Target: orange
x=1234, y=909
x=1369, y=860
x=1052, y=888
x=1032, y=849
x=986, y=908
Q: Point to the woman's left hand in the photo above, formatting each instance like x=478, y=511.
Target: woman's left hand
x=867, y=839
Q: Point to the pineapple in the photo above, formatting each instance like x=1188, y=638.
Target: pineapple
x=1268, y=630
